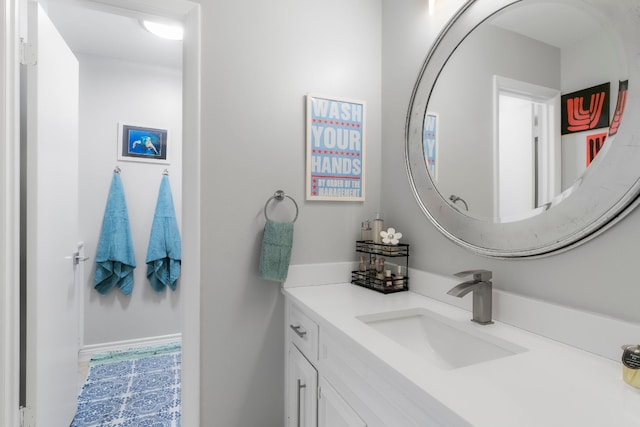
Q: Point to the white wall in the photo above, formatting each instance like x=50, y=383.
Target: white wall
x=112, y=91
x=597, y=276
x=259, y=60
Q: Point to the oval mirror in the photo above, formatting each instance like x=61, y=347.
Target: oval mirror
x=521, y=138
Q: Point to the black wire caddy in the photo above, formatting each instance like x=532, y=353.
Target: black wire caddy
x=382, y=267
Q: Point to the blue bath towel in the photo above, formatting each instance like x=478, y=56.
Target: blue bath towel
x=115, y=258
x=164, y=254
x=276, y=250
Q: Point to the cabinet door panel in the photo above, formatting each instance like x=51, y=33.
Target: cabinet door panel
x=333, y=411
x=302, y=390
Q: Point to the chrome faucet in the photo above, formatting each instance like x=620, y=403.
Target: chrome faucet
x=482, y=288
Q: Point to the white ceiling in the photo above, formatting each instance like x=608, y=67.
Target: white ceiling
x=90, y=28
x=107, y=28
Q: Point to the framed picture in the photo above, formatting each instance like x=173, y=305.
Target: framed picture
x=623, y=88
x=335, y=149
x=142, y=144
x=594, y=145
x=585, y=109
x=430, y=144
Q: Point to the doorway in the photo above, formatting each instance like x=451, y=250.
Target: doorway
x=527, y=148
x=191, y=110
x=135, y=81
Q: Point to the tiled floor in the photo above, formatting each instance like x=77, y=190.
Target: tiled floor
x=131, y=388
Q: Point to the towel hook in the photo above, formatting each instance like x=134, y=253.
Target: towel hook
x=279, y=196
x=165, y=172
x=117, y=169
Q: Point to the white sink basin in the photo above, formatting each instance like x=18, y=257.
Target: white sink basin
x=446, y=343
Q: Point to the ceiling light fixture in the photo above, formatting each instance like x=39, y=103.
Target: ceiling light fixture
x=165, y=31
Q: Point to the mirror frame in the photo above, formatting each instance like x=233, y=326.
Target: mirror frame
x=606, y=192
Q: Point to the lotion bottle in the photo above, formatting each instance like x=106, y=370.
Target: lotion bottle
x=365, y=231
x=380, y=269
x=362, y=267
x=376, y=228
x=399, y=278
x=373, y=266
x=388, y=279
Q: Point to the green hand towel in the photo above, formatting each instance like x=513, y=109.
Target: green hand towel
x=276, y=250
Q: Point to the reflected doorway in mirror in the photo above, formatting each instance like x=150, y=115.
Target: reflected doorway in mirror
x=527, y=149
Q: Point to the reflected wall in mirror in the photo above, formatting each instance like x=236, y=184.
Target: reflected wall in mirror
x=508, y=156
x=496, y=159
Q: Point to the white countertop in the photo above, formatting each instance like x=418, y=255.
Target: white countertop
x=550, y=384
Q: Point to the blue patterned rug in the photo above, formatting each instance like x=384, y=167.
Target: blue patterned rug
x=134, y=388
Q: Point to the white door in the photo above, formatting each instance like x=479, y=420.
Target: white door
x=517, y=154
x=302, y=387
x=333, y=411
x=51, y=224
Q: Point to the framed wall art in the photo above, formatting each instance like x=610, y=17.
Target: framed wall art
x=585, y=110
x=623, y=89
x=335, y=149
x=594, y=145
x=142, y=144
x=430, y=143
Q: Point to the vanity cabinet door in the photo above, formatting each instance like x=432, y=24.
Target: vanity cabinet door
x=333, y=411
x=302, y=390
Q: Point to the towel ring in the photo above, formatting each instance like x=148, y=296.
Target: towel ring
x=279, y=196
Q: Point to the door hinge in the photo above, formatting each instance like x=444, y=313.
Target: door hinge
x=28, y=54
x=27, y=418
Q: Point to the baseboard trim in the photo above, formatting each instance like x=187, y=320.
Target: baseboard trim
x=87, y=351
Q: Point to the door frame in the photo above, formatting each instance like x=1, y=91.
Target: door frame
x=10, y=219
x=10, y=197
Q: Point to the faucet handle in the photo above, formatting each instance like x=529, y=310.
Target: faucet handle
x=479, y=275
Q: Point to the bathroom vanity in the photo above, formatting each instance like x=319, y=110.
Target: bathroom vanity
x=360, y=358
